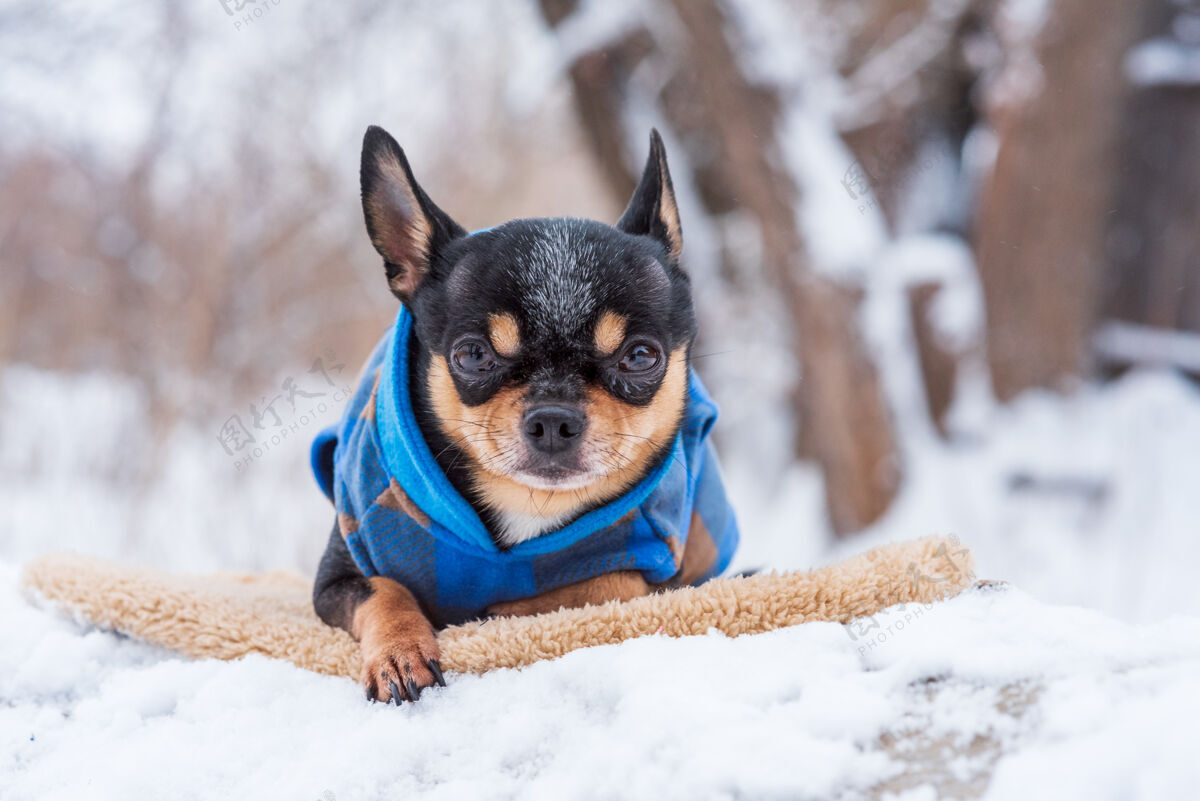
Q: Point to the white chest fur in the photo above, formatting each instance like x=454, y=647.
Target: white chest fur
x=517, y=528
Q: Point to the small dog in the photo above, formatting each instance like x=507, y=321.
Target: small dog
x=529, y=435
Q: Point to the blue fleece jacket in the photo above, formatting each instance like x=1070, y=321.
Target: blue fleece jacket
x=402, y=518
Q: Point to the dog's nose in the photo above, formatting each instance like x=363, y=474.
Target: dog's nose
x=553, y=429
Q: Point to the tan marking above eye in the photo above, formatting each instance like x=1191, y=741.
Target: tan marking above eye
x=610, y=332
x=504, y=333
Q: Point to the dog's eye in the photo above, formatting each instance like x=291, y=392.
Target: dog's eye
x=473, y=356
x=639, y=359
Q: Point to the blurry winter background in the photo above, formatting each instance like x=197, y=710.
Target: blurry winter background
x=945, y=257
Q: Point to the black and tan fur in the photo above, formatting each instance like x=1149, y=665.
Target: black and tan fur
x=550, y=371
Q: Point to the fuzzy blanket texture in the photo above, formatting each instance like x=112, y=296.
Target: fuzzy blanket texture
x=227, y=616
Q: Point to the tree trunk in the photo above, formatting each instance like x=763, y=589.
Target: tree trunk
x=939, y=364
x=1042, y=215
x=1152, y=274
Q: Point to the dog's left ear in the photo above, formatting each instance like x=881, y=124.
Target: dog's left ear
x=652, y=210
x=405, y=226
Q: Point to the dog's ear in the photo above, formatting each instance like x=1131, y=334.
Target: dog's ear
x=404, y=224
x=652, y=210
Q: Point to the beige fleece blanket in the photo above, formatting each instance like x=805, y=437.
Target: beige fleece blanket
x=227, y=616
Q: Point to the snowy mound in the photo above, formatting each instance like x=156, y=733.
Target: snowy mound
x=993, y=694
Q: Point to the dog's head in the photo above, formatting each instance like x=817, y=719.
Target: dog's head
x=554, y=352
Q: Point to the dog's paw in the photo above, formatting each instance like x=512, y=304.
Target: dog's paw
x=399, y=664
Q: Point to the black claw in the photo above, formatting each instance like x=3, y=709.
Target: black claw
x=436, y=670
x=414, y=692
x=396, y=699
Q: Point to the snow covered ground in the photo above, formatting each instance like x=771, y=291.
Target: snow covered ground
x=1001, y=693
x=1047, y=701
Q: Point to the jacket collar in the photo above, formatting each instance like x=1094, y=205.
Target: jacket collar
x=409, y=460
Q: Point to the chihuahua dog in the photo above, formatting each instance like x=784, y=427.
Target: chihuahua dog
x=529, y=434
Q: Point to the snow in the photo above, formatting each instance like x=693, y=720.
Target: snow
x=1018, y=24
x=1128, y=343
x=1086, y=500
x=1163, y=62
x=547, y=60
x=1013, y=693
x=842, y=235
x=957, y=310
x=803, y=712
x=82, y=469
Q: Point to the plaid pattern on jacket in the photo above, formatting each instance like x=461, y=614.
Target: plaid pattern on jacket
x=401, y=518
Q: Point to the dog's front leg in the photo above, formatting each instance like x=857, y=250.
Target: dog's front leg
x=622, y=585
x=399, y=649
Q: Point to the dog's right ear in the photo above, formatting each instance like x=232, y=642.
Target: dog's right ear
x=404, y=224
